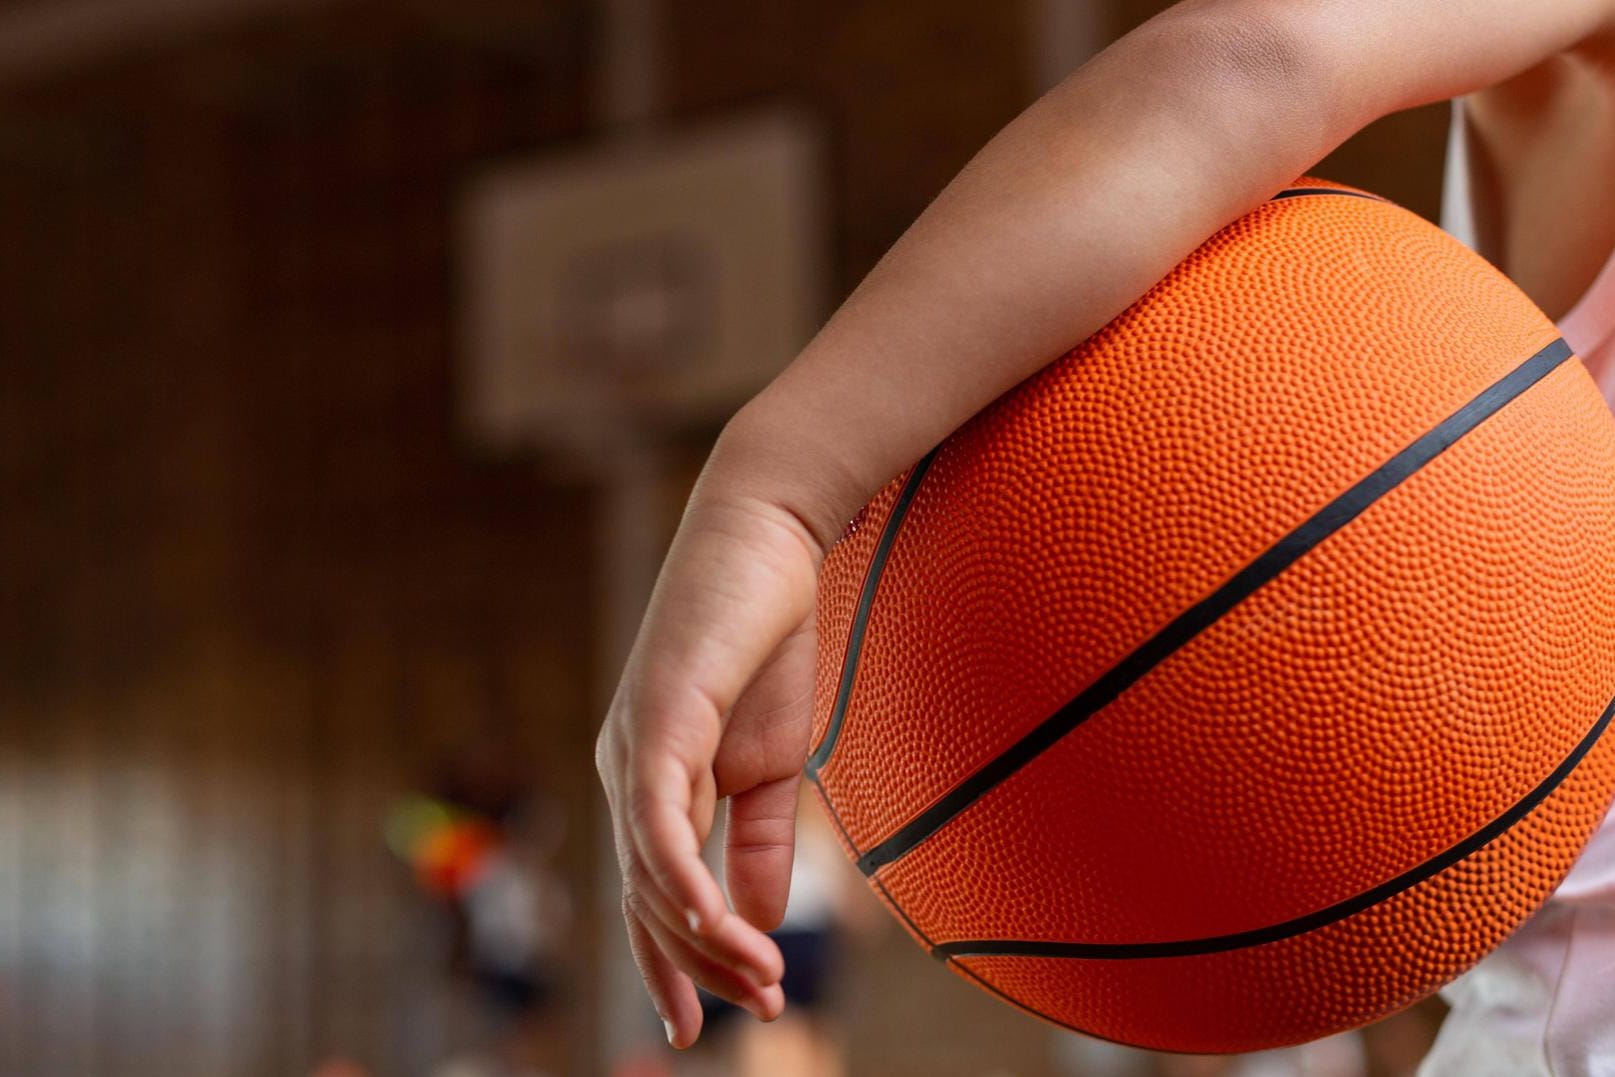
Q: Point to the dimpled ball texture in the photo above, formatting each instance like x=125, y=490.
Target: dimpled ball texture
x=1240, y=678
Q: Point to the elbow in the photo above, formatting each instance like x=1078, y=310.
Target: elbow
x=1277, y=55
x=1255, y=43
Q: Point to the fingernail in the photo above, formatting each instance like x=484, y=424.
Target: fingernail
x=693, y=918
x=668, y=1026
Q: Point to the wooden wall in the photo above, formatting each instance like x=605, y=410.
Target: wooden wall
x=253, y=584
x=251, y=587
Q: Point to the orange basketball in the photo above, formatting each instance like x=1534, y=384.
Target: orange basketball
x=1241, y=677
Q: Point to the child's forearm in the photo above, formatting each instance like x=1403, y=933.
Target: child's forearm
x=1058, y=224
x=1076, y=208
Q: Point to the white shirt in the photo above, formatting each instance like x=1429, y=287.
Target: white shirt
x=1543, y=1004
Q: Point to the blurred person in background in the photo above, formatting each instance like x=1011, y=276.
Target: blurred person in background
x=1060, y=223
x=484, y=845
x=827, y=909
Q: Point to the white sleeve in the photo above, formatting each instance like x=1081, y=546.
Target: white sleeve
x=1457, y=210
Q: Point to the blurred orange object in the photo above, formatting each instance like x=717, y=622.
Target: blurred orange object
x=449, y=860
x=449, y=847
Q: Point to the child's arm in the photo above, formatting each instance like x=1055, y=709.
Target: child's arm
x=1059, y=223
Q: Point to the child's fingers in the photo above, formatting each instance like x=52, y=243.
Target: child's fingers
x=671, y=991
x=731, y=942
x=668, y=849
x=760, y=767
x=731, y=959
x=759, y=843
x=722, y=937
x=713, y=931
x=740, y=576
x=764, y=1003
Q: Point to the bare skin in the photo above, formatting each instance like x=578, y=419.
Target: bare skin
x=1059, y=223
x=1544, y=149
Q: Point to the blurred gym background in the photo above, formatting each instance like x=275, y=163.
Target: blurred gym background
x=355, y=360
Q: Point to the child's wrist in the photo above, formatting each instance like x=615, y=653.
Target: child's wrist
x=767, y=453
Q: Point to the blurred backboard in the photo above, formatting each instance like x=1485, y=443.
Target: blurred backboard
x=645, y=286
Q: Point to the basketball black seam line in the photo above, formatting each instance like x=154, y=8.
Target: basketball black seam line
x=1298, y=192
x=901, y=912
x=993, y=989
x=860, y=620
x=930, y=945
x=830, y=809
x=1299, y=925
x=1204, y=613
x=821, y=754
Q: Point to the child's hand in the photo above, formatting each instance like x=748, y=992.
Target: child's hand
x=716, y=701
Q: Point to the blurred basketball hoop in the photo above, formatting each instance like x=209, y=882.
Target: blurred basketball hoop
x=626, y=292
